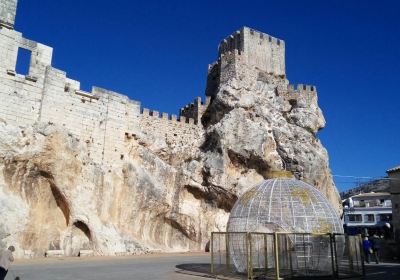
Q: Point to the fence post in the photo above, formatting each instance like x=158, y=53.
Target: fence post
x=336, y=257
x=227, y=250
x=305, y=255
x=289, y=249
x=349, y=252
x=265, y=253
x=276, y=249
x=249, y=256
x=355, y=241
x=212, y=252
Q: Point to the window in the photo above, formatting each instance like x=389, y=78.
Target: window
x=371, y=203
x=385, y=217
x=369, y=218
x=23, y=61
x=354, y=218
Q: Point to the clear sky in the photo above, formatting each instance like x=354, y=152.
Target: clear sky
x=157, y=52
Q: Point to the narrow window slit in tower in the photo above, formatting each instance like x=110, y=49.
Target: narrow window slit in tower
x=23, y=61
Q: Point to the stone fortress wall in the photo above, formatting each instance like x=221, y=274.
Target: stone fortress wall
x=101, y=118
x=195, y=109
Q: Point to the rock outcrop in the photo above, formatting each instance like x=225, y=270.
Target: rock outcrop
x=86, y=171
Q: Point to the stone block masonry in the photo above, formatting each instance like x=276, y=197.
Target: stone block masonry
x=259, y=49
x=99, y=118
x=196, y=109
x=8, y=9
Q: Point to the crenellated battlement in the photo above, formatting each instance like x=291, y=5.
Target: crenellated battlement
x=258, y=49
x=231, y=43
x=195, y=109
x=301, y=94
x=242, y=40
x=302, y=88
x=244, y=49
x=152, y=114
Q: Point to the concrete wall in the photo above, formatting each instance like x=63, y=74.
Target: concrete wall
x=8, y=9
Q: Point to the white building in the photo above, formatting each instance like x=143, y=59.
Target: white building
x=368, y=213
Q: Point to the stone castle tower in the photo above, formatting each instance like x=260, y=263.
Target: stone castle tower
x=251, y=48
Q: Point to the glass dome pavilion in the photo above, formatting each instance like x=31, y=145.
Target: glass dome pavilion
x=285, y=205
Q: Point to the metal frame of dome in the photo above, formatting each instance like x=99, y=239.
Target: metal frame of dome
x=284, y=204
x=293, y=214
x=273, y=256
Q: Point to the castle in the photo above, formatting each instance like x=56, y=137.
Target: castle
x=103, y=118
x=103, y=173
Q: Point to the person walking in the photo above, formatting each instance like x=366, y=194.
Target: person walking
x=6, y=258
x=367, y=247
x=376, y=247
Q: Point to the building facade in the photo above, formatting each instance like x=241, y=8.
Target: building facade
x=394, y=179
x=368, y=213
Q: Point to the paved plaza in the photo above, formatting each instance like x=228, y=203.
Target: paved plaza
x=151, y=267
x=147, y=267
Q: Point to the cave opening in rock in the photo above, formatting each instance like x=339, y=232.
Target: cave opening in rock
x=84, y=228
x=61, y=201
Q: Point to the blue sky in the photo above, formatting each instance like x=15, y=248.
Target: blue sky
x=157, y=52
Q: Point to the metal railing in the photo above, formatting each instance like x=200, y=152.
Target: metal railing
x=280, y=255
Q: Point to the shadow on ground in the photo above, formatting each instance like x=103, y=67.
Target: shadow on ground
x=386, y=271
x=196, y=269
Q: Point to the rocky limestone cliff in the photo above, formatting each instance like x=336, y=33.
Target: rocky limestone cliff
x=257, y=123
x=54, y=197
x=160, y=194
